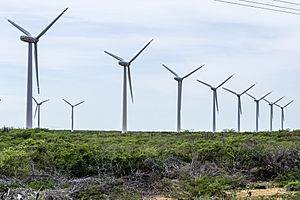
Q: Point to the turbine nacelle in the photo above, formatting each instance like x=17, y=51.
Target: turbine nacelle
x=178, y=79
x=29, y=39
x=124, y=63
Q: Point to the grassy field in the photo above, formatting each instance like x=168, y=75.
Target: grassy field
x=110, y=165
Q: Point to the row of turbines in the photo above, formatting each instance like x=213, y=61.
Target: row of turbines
x=31, y=40
x=239, y=101
x=38, y=111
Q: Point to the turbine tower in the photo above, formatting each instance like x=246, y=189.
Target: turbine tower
x=215, y=99
x=126, y=65
x=179, y=80
x=239, y=104
x=31, y=40
x=282, y=112
x=257, y=107
x=271, y=104
x=72, y=112
x=38, y=109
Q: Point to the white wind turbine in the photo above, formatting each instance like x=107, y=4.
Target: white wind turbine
x=38, y=109
x=32, y=40
x=271, y=104
x=72, y=112
x=126, y=68
x=239, y=111
x=179, y=80
x=215, y=99
x=257, y=107
x=282, y=112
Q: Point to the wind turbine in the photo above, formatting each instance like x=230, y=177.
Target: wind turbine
x=282, y=112
x=126, y=65
x=72, y=112
x=28, y=38
x=239, y=103
x=257, y=106
x=271, y=104
x=179, y=80
x=215, y=99
x=38, y=109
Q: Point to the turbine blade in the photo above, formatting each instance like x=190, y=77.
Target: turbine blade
x=248, y=89
x=36, y=108
x=79, y=103
x=272, y=113
x=19, y=27
x=140, y=52
x=240, y=105
x=278, y=100
x=47, y=28
x=230, y=91
x=44, y=101
x=208, y=85
x=278, y=105
x=130, y=85
x=265, y=96
x=225, y=80
x=35, y=100
x=114, y=56
x=170, y=70
x=67, y=102
x=36, y=66
x=288, y=103
x=192, y=72
x=266, y=101
x=257, y=111
x=251, y=96
x=179, y=97
x=216, y=100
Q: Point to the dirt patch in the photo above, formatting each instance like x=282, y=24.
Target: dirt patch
x=263, y=192
x=161, y=198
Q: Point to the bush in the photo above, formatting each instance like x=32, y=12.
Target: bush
x=206, y=186
x=15, y=163
x=44, y=184
x=284, y=179
x=293, y=186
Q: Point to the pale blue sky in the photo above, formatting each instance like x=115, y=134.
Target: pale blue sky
x=258, y=46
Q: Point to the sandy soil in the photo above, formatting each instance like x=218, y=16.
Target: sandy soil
x=263, y=192
x=161, y=198
x=244, y=193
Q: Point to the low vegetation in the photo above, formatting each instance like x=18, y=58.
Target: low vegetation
x=46, y=164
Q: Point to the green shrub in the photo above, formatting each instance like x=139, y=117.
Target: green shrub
x=90, y=193
x=284, y=179
x=206, y=186
x=293, y=186
x=15, y=163
x=122, y=193
x=43, y=184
